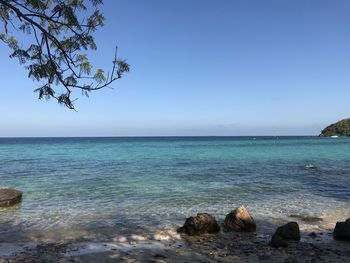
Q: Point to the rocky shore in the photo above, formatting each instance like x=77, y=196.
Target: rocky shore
x=222, y=247
x=202, y=238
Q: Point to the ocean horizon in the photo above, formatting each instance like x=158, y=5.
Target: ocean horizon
x=160, y=136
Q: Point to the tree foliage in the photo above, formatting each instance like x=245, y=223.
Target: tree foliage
x=55, y=56
x=340, y=128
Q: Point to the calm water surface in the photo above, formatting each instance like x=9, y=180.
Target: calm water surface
x=157, y=182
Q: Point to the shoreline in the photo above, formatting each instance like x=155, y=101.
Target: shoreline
x=127, y=199
x=112, y=245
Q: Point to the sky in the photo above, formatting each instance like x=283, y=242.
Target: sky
x=201, y=67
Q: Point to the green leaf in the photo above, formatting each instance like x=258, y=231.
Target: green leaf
x=99, y=76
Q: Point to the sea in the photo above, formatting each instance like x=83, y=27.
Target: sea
x=157, y=182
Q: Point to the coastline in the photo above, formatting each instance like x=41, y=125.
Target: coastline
x=124, y=199
x=110, y=244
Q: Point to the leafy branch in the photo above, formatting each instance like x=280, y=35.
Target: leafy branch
x=61, y=34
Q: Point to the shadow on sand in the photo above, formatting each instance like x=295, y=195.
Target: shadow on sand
x=136, y=243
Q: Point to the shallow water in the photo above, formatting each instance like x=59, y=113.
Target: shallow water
x=157, y=182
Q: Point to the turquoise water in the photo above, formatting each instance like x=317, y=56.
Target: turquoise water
x=157, y=182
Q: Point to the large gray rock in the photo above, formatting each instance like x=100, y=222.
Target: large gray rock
x=9, y=197
x=342, y=230
x=240, y=220
x=289, y=231
x=203, y=223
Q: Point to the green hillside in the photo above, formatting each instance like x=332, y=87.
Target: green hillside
x=340, y=128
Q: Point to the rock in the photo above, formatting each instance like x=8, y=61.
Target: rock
x=278, y=241
x=9, y=197
x=203, y=223
x=313, y=235
x=342, y=230
x=307, y=219
x=159, y=256
x=289, y=231
x=291, y=260
x=156, y=261
x=240, y=220
x=264, y=257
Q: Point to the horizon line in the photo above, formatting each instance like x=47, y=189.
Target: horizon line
x=153, y=136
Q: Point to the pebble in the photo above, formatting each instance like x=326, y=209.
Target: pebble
x=264, y=257
x=291, y=260
x=159, y=256
x=313, y=235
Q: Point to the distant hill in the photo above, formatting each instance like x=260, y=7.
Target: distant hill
x=340, y=128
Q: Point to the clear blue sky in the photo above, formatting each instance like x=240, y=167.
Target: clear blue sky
x=202, y=67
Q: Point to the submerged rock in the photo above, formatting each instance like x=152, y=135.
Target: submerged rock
x=240, y=220
x=342, y=230
x=307, y=219
x=203, y=223
x=9, y=197
x=289, y=231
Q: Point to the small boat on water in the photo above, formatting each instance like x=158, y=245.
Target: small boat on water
x=334, y=136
